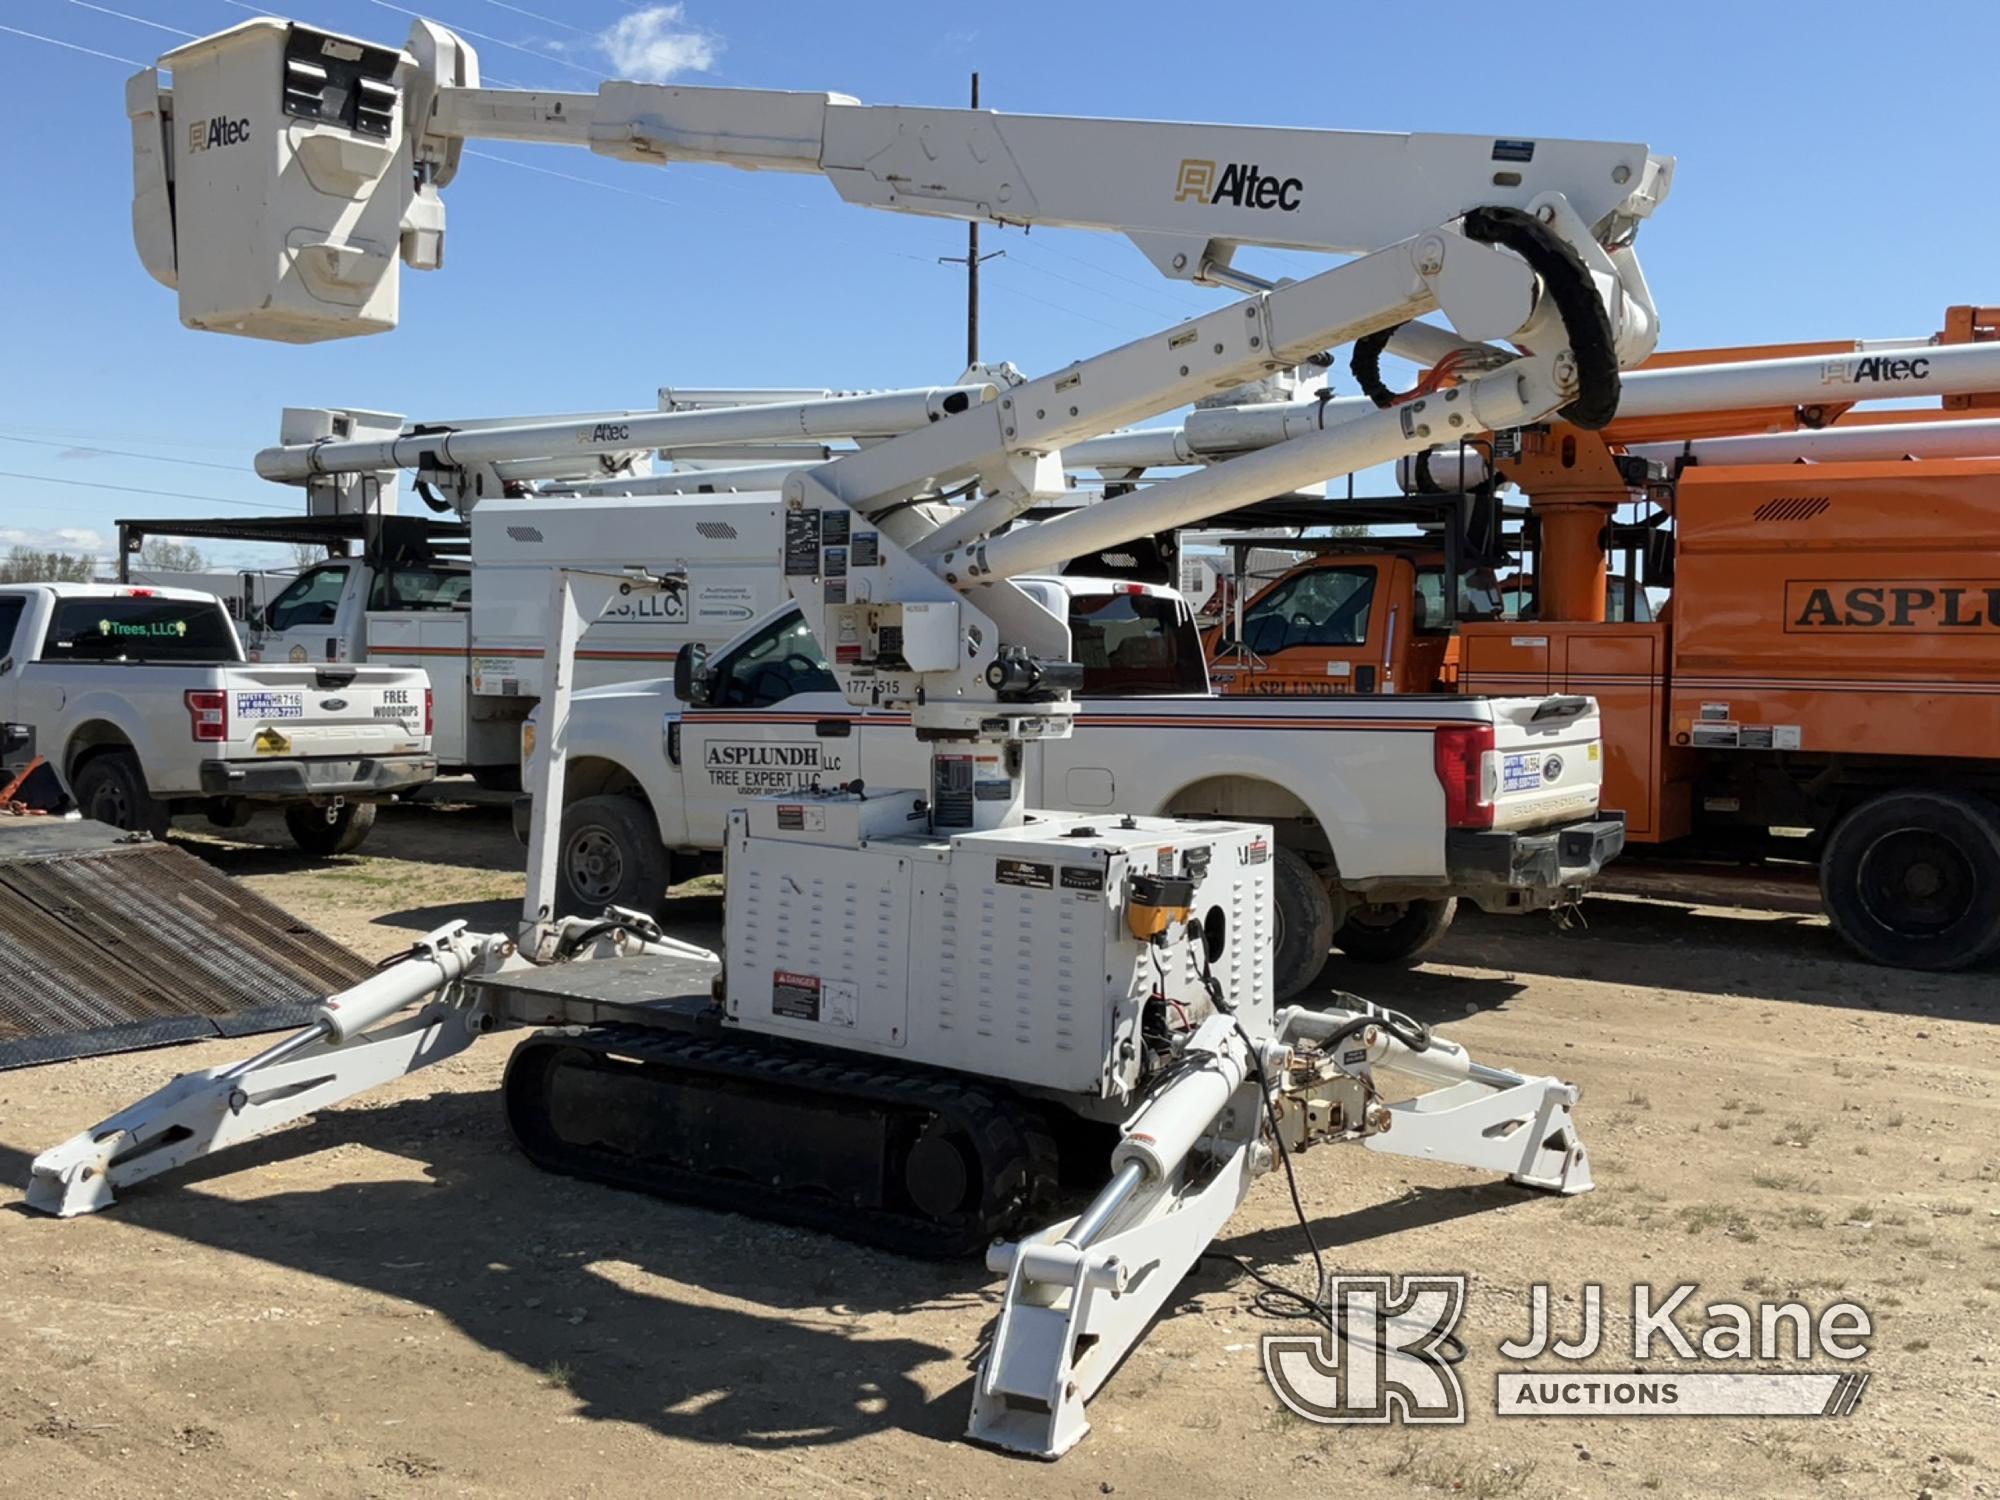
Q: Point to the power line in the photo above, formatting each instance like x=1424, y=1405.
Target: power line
x=157, y=458
x=105, y=10
x=1058, y=307
x=538, y=16
x=56, y=41
x=486, y=37
x=127, y=489
x=609, y=187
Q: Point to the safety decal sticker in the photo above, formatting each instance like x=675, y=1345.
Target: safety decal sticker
x=270, y=705
x=796, y=997
x=1521, y=771
x=833, y=527
x=801, y=543
x=1082, y=878
x=866, y=551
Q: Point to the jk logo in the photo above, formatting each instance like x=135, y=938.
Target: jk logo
x=1387, y=1354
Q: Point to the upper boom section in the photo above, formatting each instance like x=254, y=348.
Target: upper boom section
x=287, y=171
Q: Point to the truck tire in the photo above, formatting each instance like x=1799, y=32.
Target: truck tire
x=1394, y=932
x=1303, y=925
x=325, y=831
x=1911, y=879
x=610, y=855
x=112, y=789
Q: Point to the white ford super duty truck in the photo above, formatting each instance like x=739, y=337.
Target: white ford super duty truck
x=1387, y=808
x=142, y=700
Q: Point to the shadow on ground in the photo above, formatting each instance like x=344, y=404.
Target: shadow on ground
x=547, y=1289
x=1704, y=951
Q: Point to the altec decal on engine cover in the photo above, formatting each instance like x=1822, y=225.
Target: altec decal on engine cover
x=1239, y=184
x=1911, y=606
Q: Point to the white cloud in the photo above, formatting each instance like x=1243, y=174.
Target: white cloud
x=654, y=45
x=54, y=539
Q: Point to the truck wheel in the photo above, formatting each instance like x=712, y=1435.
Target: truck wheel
x=1394, y=932
x=1912, y=880
x=112, y=789
x=1303, y=926
x=611, y=855
x=324, y=831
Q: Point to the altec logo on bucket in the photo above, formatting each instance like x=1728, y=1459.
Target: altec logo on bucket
x=205, y=135
x=1240, y=184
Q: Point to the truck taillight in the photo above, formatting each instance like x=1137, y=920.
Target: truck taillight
x=208, y=714
x=1461, y=753
x=430, y=717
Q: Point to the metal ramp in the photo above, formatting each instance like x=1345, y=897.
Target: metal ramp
x=110, y=943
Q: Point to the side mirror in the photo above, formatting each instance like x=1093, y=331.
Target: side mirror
x=691, y=674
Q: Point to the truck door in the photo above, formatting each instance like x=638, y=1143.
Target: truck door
x=306, y=621
x=775, y=721
x=1318, y=630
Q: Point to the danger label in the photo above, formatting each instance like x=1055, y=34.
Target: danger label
x=796, y=997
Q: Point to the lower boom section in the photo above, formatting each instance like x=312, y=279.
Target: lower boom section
x=910, y=1159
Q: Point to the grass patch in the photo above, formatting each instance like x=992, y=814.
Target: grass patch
x=1700, y=1218
x=1796, y=1133
x=1778, y=1182
x=1479, y=1479
x=559, y=1376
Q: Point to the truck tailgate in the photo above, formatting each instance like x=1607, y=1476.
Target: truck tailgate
x=1548, y=763
x=332, y=711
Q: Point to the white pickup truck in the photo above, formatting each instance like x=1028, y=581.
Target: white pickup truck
x=1387, y=808
x=142, y=699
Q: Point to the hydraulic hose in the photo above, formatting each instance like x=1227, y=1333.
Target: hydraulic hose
x=1566, y=279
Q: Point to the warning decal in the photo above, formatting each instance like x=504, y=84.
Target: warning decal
x=801, y=543
x=795, y=996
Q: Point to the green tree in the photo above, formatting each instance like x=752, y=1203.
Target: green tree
x=30, y=565
x=167, y=556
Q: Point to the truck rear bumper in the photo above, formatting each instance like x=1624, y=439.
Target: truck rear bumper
x=364, y=779
x=1549, y=861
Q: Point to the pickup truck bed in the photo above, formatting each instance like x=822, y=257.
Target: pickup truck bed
x=142, y=699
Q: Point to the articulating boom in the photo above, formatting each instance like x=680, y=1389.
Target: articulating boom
x=925, y=930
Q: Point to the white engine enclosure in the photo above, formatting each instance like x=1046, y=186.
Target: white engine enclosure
x=1003, y=952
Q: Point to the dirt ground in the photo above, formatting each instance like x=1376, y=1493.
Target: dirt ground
x=388, y=1301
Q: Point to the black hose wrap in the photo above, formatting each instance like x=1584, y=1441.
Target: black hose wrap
x=1366, y=364
x=1584, y=319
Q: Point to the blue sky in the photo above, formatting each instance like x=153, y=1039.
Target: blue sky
x=1832, y=183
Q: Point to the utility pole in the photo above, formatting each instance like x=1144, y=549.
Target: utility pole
x=970, y=260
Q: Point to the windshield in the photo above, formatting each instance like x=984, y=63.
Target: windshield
x=1318, y=607
x=310, y=599
x=1479, y=598
x=421, y=588
x=1135, y=643
x=138, y=628
x=1127, y=644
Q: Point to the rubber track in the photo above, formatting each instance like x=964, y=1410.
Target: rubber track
x=1015, y=1148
